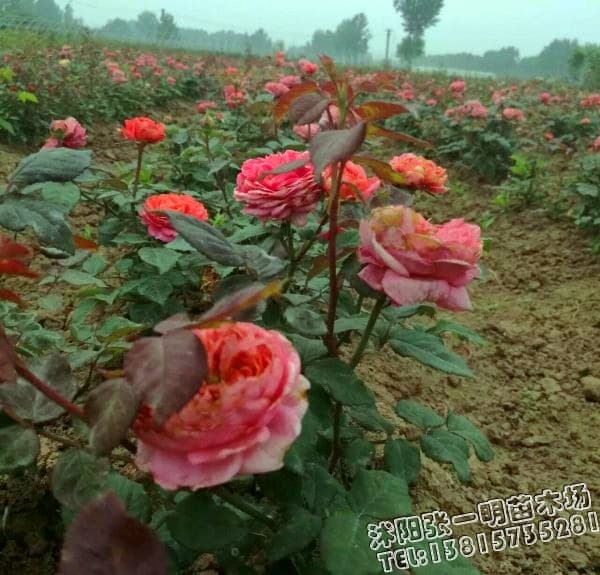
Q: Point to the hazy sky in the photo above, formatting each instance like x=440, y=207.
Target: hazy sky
x=465, y=25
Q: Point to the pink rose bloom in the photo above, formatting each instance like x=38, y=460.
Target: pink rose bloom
x=585, y=121
x=205, y=105
x=279, y=58
x=307, y=67
x=431, y=102
x=276, y=88
x=596, y=145
x=285, y=197
x=306, y=131
x=171, y=81
x=354, y=182
x=513, y=114
x=458, y=87
x=290, y=81
x=67, y=133
x=498, y=96
x=591, y=101
x=420, y=173
x=545, y=98
x=231, y=70
x=158, y=225
x=233, y=97
x=413, y=261
x=243, y=419
x=407, y=94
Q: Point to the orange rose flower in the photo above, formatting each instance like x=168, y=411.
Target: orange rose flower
x=143, y=130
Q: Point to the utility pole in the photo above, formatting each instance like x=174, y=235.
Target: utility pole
x=387, y=47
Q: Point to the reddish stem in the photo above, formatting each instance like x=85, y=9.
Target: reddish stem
x=48, y=391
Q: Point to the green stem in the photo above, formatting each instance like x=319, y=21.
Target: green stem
x=309, y=243
x=136, y=178
x=360, y=350
x=330, y=338
x=337, y=443
x=241, y=504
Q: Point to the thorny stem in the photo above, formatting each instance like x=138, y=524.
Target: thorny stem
x=241, y=504
x=360, y=350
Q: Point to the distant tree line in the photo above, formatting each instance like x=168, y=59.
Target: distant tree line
x=348, y=43
x=554, y=60
x=37, y=11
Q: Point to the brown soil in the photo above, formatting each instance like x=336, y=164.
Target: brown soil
x=540, y=313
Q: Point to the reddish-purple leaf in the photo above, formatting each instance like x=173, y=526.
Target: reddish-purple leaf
x=284, y=102
x=11, y=249
x=84, y=244
x=110, y=411
x=374, y=111
x=335, y=145
x=374, y=130
x=307, y=108
x=381, y=169
x=177, y=321
x=104, y=540
x=8, y=295
x=166, y=371
x=16, y=268
x=287, y=167
x=232, y=305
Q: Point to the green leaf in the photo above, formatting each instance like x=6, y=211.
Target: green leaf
x=379, y=495
x=322, y=492
x=95, y=264
x=53, y=302
x=47, y=222
x=460, y=425
x=29, y=403
x=155, y=289
x=79, y=278
x=161, y=258
x=55, y=165
x=345, y=546
x=445, y=325
x=200, y=524
x=264, y=265
x=429, y=350
x=355, y=322
x=445, y=447
x=19, y=447
x=369, y=418
x=299, y=528
x=309, y=349
x=340, y=381
x=358, y=454
x=64, y=196
x=402, y=459
x=207, y=240
x=417, y=414
x=116, y=327
x=24, y=97
x=305, y=321
x=78, y=476
x=132, y=494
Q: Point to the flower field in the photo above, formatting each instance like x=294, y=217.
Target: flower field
x=253, y=310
